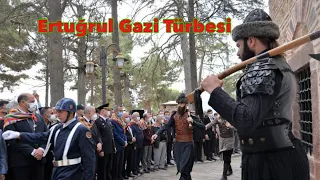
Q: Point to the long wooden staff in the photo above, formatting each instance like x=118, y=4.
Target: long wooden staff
x=273, y=52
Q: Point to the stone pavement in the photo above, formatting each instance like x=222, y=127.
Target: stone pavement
x=201, y=171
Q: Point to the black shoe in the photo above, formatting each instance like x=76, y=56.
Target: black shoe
x=209, y=159
x=224, y=178
x=150, y=169
x=201, y=160
x=170, y=164
x=125, y=177
x=131, y=175
x=146, y=171
x=229, y=172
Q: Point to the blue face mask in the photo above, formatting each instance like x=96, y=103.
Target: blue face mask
x=167, y=117
x=120, y=114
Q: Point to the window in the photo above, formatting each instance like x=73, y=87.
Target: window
x=305, y=109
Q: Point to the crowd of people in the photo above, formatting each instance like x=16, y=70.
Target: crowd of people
x=122, y=140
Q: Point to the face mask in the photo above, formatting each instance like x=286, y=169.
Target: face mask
x=94, y=117
x=32, y=107
x=108, y=113
x=127, y=120
x=167, y=117
x=162, y=121
x=161, y=115
x=138, y=118
x=120, y=114
x=52, y=118
x=154, y=117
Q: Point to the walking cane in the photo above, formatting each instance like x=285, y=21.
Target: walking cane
x=273, y=52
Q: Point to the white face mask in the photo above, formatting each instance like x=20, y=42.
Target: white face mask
x=52, y=118
x=94, y=117
x=33, y=106
x=138, y=118
x=127, y=120
x=154, y=117
x=108, y=113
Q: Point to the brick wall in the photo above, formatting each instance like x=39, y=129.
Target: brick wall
x=297, y=18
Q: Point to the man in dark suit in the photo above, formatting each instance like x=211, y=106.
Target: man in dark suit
x=108, y=145
x=138, y=134
x=209, y=137
x=120, y=141
x=129, y=150
x=170, y=136
x=25, y=160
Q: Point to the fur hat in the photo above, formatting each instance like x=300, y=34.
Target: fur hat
x=257, y=24
x=182, y=99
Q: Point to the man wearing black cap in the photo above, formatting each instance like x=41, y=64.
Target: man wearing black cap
x=108, y=145
x=183, y=149
x=262, y=112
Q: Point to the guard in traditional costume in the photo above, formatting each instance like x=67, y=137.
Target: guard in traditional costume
x=183, y=123
x=262, y=113
x=73, y=147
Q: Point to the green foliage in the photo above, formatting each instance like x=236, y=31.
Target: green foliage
x=229, y=84
x=17, y=53
x=153, y=78
x=126, y=46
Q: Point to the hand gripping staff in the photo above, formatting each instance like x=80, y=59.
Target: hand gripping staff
x=195, y=95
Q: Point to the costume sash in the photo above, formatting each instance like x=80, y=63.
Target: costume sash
x=15, y=116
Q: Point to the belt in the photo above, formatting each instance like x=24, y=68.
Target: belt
x=266, y=139
x=67, y=162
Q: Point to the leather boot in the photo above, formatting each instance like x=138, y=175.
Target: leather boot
x=225, y=169
x=229, y=172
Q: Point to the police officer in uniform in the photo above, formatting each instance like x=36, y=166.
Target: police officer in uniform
x=73, y=147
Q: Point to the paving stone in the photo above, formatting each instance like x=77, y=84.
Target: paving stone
x=201, y=171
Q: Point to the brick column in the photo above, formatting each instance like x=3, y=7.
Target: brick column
x=315, y=91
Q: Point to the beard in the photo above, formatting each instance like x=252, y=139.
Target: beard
x=182, y=110
x=247, y=53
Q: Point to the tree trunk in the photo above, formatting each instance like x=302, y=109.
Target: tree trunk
x=55, y=54
x=185, y=50
x=115, y=40
x=82, y=49
x=127, y=92
x=192, y=46
x=47, y=74
x=47, y=83
x=201, y=69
